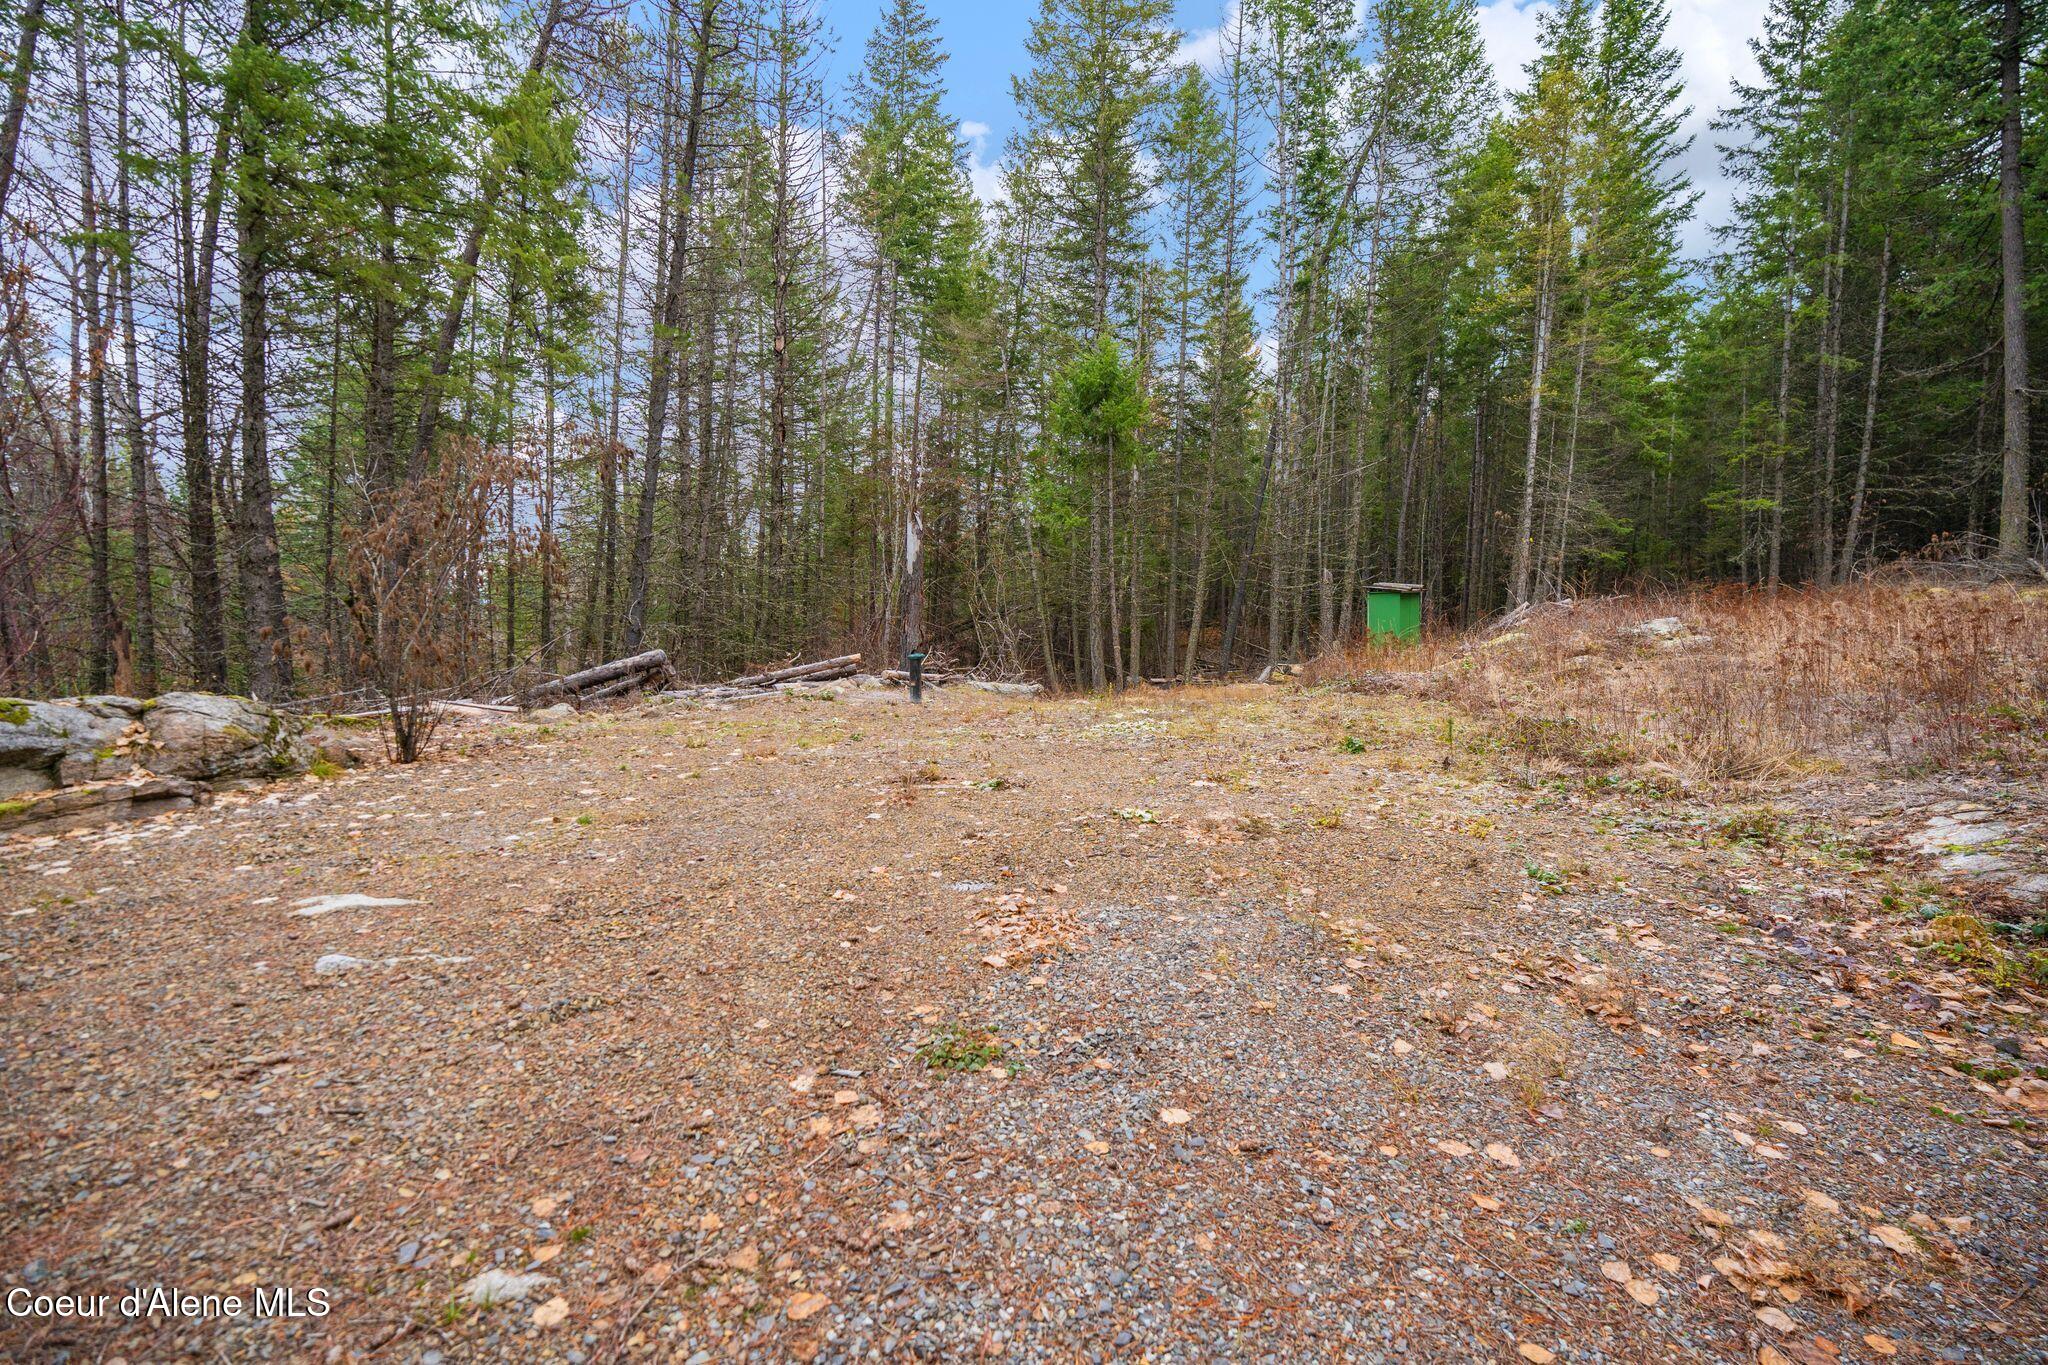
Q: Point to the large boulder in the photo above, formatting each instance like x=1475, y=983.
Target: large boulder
x=45, y=745
x=212, y=737
x=48, y=744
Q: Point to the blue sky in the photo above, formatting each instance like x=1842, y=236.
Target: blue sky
x=985, y=39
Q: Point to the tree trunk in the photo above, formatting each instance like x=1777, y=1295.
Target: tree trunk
x=1525, y=524
x=463, y=277
x=101, y=563
x=139, y=481
x=263, y=621
x=17, y=95
x=668, y=324
x=198, y=252
x=1851, y=531
x=2012, y=503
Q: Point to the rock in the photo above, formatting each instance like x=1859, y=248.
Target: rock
x=500, y=1286
x=561, y=710
x=1004, y=689
x=339, y=747
x=352, y=900
x=334, y=964
x=200, y=734
x=46, y=744
x=1666, y=632
x=99, y=803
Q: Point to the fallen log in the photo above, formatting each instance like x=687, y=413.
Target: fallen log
x=819, y=671
x=636, y=668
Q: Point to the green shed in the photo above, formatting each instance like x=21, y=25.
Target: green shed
x=1394, y=609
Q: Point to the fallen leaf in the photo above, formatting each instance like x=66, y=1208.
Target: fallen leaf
x=1708, y=1214
x=1530, y=1351
x=657, y=1273
x=544, y=1206
x=1495, y=1071
x=1453, y=1147
x=710, y=1222
x=1402, y=1047
x=1771, y=1355
x=1490, y=1205
x=804, y=1306
x=1898, y=1239
x=746, y=1258
x=542, y=1255
x=1820, y=1202
x=1174, y=1117
x=1776, y=1320
x=1503, y=1155
x=1884, y=1346
x=1098, y=1147
x=552, y=1313
x=867, y=1116
x=1901, y=1040
x=1617, y=1271
x=1665, y=1262
x=802, y=1082
x=1643, y=1292
x=898, y=1220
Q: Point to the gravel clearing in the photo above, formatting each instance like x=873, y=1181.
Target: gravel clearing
x=1236, y=1023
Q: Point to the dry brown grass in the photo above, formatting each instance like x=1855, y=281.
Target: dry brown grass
x=1863, y=677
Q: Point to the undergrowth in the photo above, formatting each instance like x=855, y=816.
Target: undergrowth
x=1902, y=677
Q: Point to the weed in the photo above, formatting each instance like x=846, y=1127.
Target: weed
x=1759, y=825
x=1351, y=744
x=957, y=1047
x=326, y=769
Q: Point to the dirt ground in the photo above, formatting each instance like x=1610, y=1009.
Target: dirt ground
x=1229, y=1024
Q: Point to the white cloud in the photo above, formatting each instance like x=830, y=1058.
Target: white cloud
x=1712, y=39
x=986, y=176
x=1204, y=46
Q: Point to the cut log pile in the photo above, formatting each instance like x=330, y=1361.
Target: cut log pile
x=652, y=671
x=772, y=682
x=615, y=679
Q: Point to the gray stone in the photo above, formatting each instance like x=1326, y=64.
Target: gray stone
x=334, y=964
x=203, y=735
x=45, y=744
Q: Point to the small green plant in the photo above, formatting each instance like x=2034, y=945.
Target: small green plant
x=324, y=768
x=1758, y=825
x=583, y=819
x=1577, y=1227
x=13, y=711
x=1137, y=815
x=957, y=1047
x=1351, y=744
x=579, y=1235
x=1550, y=880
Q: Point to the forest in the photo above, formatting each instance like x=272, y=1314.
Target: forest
x=366, y=344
